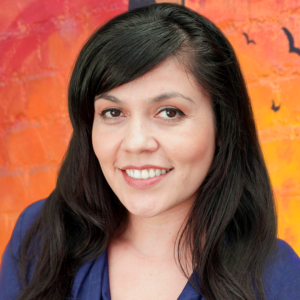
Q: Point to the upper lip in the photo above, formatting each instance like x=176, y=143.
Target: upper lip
x=143, y=167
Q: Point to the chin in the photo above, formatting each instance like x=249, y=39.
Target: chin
x=147, y=209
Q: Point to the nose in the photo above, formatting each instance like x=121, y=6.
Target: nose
x=138, y=138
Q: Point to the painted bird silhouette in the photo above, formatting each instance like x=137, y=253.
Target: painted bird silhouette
x=247, y=38
x=291, y=41
x=275, y=108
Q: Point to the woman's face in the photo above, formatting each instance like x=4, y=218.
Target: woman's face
x=154, y=138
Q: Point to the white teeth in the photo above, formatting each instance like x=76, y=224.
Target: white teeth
x=151, y=173
x=145, y=174
x=137, y=174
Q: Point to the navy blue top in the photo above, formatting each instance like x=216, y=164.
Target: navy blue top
x=92, y=282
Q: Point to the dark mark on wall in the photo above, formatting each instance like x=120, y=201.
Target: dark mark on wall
x=139, y=3
x=291, y=41
x=247, y=38
x=275, y=108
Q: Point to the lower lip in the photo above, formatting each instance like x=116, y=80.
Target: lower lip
x=143, y=183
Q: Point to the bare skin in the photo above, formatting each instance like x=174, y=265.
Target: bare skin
x=137, y=125
x=141, y=261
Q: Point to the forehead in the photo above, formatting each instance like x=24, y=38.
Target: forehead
x=168, y=78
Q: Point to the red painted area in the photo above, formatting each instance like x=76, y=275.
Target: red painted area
x=39, y=42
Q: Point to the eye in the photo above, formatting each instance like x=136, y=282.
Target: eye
x=111, y=113
x=171, y=113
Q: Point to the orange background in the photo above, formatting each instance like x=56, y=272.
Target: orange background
x=39, y=42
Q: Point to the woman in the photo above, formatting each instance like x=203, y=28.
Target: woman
x=163, y=180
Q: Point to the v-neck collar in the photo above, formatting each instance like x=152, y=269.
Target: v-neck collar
x=92, y=282
x=188, y=292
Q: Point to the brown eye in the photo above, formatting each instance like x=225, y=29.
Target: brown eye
x=115, y=113
x=111, y=113
x=171, y=113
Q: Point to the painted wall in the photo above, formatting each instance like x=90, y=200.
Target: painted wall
x=39, y=42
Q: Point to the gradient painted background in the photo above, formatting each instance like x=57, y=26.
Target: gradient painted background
x=39, y=42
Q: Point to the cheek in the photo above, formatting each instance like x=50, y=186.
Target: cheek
x=202, y=147
x=194, y=145
x=192, y=153
x=104, y=145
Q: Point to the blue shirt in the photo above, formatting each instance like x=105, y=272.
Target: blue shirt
x=92, y=281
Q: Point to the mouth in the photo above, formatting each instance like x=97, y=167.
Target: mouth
x=145, y=178
x=146, y=173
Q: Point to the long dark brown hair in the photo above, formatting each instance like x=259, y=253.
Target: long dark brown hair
x=231, y=229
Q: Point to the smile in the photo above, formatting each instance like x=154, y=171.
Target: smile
x=145, y=174
x=146, y=178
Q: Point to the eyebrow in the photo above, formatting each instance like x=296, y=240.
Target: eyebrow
x=156, y=99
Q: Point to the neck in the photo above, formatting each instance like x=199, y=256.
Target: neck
x=156, y=237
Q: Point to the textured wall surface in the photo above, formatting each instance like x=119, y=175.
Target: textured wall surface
x=39, y=41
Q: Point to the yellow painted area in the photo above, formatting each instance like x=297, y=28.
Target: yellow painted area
x=39, y=45
x=272, y=76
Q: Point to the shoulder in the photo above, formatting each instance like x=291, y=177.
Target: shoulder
x=25, y=221
x=9, y=277
x=286, y=261
x=282, y=275
x=286, y=256
x=30, y=214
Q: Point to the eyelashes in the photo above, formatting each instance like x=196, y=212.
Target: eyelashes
x=170, y=114
x=114, y=112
